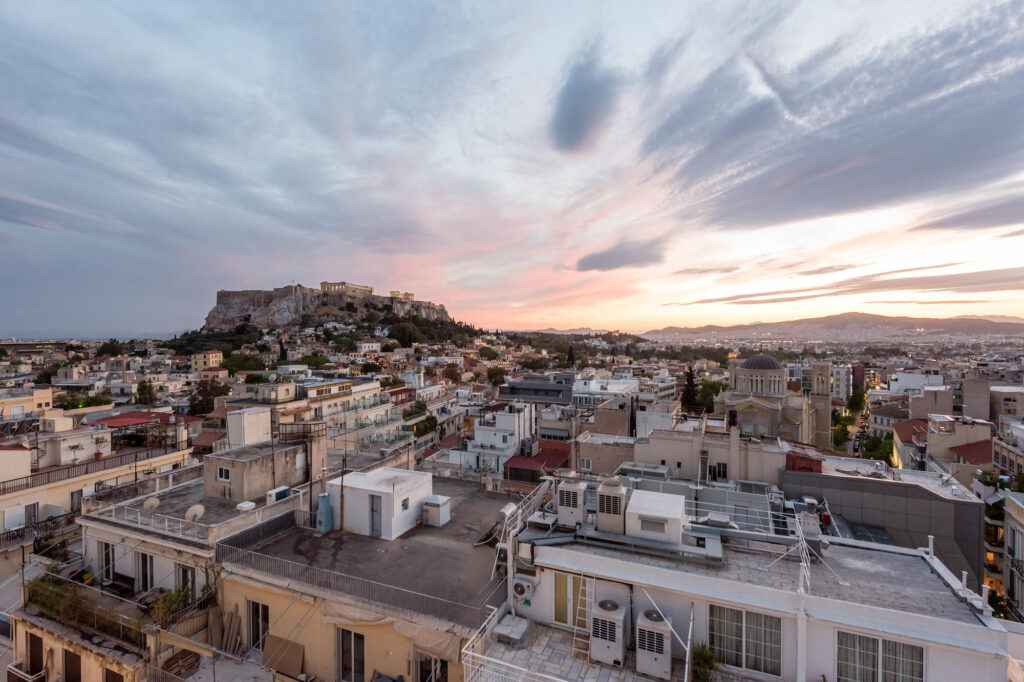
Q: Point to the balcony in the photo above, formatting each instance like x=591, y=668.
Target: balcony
x=18, y=672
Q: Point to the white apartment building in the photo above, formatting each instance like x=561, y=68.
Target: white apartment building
x=498, y=436
x=626, y=594
x=592, y=392
x=912, y=380
x=842, y=381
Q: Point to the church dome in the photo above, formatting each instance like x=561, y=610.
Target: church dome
x=762, y=361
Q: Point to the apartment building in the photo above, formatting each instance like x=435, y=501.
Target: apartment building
x=206, y=359
x=349, y=605
x=24, y=403
x=627, y=594
x=147, y=577
x=552, y=388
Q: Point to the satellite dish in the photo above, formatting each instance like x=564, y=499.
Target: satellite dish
x=151, y=504
x=194, y=512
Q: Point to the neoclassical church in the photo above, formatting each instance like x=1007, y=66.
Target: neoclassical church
x=764, y=405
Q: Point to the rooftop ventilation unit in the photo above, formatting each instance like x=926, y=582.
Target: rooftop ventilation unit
x=522, y=587
x=654, y=645
x=607, y=639
x=611, y=507
x=571, y=507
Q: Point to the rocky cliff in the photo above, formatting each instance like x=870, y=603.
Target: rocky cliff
x=278, y=309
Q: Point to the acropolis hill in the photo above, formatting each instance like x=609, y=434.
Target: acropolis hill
x=286, y=305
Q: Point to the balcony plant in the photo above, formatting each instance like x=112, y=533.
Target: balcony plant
x=705, y=664
x=75, y=448
x=100, y=441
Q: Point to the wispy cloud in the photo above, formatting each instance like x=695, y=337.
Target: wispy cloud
x=826, y=269
x=998, y=213
x=716, y=270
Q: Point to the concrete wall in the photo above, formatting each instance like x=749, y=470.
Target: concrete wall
x=305, y=622
x=252, y=478
x=93, y=663
x=909, y=513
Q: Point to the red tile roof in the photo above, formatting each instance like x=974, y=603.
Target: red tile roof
x=206, y=439
x=548, y=461
x=144, y=417
x=908, y=427
x=978, y=452
x=12, y=446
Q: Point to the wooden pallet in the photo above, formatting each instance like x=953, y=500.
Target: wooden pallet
x=182, y=663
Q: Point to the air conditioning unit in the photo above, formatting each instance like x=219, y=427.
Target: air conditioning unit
x=607, y=636
x=611, y=507
x=522, y=587
x=654, y=645
x=278, y=493
x=571, y=507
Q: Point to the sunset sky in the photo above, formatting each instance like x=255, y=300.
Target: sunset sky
x=617, y=165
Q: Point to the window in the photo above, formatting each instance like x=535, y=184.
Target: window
x=405, y=504
x=144, y=572
x=867, y=659
x=112, y=676
x=185, y=577
x=431, y=669
x=746, y=639
x=223, y=474
x=348, y=648
x=106, y=553
x=259, y=622
x=585, y=464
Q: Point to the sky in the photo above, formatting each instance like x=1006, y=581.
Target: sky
x=614, y=165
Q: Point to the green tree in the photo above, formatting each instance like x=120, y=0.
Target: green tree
x=314, y=361
x=110, y=347
x=255, y=379
x=496, y=375
x=856, y=401
x=306, y=320
x=201, y=401
x=370, y=368
x=571, y=357
x=487, y=353
x=406, y=333
x=707, y=393
x=451, y=373
x=840, y=434
x=345, y=345
x=145, y=393
x=689, y=396
x=236, y=362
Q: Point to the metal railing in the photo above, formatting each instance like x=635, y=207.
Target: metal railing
x=156, y=522
x=233, y=551
x=76, y=470
x=15, y=672
x=477, y=666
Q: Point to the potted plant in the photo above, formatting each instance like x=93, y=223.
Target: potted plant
x=75, y=448
x=704, y=663
x=100, y=441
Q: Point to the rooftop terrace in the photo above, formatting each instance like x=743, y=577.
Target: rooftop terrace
x=413, y=572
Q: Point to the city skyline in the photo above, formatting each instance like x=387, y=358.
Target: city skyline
x=526, y=166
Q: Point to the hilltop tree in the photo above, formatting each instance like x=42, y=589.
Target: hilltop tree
x=689, y=397
x=496, y=375
x=451, y=373
x=201, y=402
x=110, y=347
x=571, y=358
x=145, y=393
x=707, y=393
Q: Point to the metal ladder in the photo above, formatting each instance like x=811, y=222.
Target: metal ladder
x=584, y=598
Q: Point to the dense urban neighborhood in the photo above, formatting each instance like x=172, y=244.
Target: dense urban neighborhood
x=360, y=492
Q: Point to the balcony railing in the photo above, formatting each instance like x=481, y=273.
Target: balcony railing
x=16, y=673
x=66, y=473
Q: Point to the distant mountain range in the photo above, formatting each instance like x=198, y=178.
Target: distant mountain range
x=577, y=330
x=850, y=326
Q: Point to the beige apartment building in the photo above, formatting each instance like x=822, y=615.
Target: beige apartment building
x=206, y=359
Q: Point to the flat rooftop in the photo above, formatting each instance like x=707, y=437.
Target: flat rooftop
x=384, y=479
x=942, y=485
x=882, y=577
x=422, y=560
x=256, y=451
